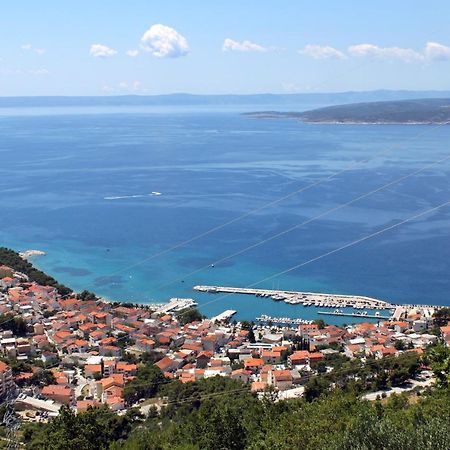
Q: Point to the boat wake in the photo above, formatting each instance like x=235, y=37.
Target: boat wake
x=122, y=197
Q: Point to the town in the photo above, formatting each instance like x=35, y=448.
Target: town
x=81, y=351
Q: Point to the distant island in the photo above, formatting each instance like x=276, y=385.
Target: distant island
x=419, y=111
x=312, y=99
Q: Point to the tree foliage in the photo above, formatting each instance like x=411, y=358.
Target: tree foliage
x=12, y=259
x=145, y=385
x=442, y=316
x=17, y=325
x=94, y=429
x=189, y=315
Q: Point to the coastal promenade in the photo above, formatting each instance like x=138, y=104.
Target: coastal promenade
x=303, y=298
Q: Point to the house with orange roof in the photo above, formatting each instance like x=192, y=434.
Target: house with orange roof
x=108, y=341
x=210, y=342
x=307, y=328
x=281, y=379
x=253, y=364
x=168, y=364
x=353, y=350
x=299, y=357
x=144, y=344
x=194, y=346
x=271, y=357
x=241, y=375
x=58, y=393
x=96, y=336
x=115, y=403
x=399, y=326
x=386, y=351
x=105, y=385
x=203, y=359
x=126, y=369
x=8, y=282
x=81, y=345
x=71, y=304
x=109, y=350
x=86, y=328
x=91, y=370
x=187, y=376
x=100, y=317
x=123, y=328
x=83, y=405
x=445, y=334
x=314, y=358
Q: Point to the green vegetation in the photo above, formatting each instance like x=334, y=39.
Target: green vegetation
x=189, y=315
x=42, y=378
x=219, y=413
x=16, y=324
x=12, y=259
x=146, y=384
x=442, y=316
x=94, y=429
x=320, y=323
x=438, y=357
x=86, y=295
x=353, y=377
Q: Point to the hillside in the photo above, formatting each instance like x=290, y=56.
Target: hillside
x=426, y=111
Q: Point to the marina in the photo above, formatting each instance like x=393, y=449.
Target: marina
x=282, y=320
x=363, y=314
x=306, y=299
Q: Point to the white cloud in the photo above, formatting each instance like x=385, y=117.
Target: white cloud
x=437, y=52
x=133, y=53
x=39, y=72
x=229, y=45
x=290, y=87
x=29, y=47
x=163, y=41
x=134, y=86
x=374, y=51
x=101, y=51
x=322, y=52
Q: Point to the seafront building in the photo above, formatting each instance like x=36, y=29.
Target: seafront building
x=92, y=347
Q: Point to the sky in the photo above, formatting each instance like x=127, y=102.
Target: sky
x=112, y=47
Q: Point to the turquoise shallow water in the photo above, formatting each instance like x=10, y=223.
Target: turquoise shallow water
x=75, y=183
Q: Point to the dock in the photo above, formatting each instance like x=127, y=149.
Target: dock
x=304, y=298
x=283, y=320
x=362, y=315
x=226, y=315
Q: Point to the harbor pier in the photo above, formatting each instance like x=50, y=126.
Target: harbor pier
x=304, y=298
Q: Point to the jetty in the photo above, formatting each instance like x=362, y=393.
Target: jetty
x=176, y=305
x=226, y=315
x=304, y=298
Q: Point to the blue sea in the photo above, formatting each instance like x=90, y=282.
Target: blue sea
x=77, y=183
